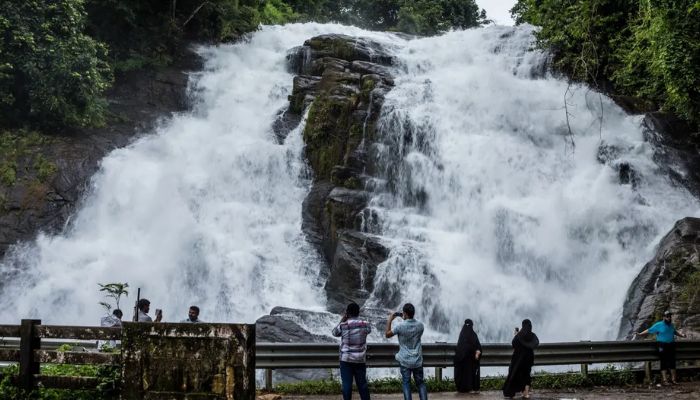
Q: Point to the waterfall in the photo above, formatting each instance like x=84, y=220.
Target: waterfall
x=206, y=210
x=495, y=209
x=495, y=206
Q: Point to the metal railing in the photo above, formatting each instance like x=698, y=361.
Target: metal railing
x=38, y=344
x=316, y=355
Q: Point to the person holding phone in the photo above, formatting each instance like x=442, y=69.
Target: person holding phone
x=524, y=343
x=353, y=349
x=410, y=355
x=144, y=305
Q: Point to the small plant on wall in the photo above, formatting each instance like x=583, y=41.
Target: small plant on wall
x=113, y=291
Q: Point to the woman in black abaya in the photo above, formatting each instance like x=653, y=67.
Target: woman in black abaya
x=467, y=355
x=524, y=343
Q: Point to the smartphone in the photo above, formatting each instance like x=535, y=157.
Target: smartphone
x=159, y=311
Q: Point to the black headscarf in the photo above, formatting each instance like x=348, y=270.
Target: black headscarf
x=526, y=337
x=468, y=342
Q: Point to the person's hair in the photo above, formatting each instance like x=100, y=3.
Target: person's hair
x=117, y=313
x=143, y=303
x=526, y=326
x=195, y=308
x=409, y=310
x=468, y=322
x=352, y=310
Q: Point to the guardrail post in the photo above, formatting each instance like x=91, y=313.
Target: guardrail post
x=584, y=370
x=438, y=374
x=27, y=344
x=647, y=372
x=268, y=379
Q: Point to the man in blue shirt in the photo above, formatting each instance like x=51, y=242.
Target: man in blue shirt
x=410, y=355
x=665, y=335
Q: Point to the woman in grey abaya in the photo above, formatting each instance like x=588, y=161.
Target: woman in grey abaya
x=466, y=362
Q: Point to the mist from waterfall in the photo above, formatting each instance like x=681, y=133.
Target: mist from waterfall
x=493, y=208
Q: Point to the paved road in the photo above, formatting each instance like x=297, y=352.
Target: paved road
x=684, y=391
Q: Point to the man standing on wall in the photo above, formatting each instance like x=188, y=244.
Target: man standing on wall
x=410, y=355
x=665, y=338
x=353, y=349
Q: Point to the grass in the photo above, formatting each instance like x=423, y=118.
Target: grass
x=609, y=376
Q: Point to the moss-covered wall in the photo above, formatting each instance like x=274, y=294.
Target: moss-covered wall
x=188, y=361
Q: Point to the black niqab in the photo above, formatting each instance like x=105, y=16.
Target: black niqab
x=467, y=368
x=524, y=344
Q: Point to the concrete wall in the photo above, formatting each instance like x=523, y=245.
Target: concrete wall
x=188, y=361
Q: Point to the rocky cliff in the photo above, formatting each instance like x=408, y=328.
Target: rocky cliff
x=670, y=281
x=342, y=81
x=43, y=176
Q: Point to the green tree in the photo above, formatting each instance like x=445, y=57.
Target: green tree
x=114, y=291
x=661, y=61
x=51, y=73
x=644, y=48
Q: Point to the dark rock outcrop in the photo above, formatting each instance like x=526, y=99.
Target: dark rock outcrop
x=670, y=281
x=342, y=81
x=42, y=199
x=676, y=148
x=283, y=326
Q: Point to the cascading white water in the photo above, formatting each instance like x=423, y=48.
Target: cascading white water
x=488, y=210
x=494, y=215
x=206, y=210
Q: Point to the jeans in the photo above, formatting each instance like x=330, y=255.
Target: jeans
x=349, y=370
x=418, y=378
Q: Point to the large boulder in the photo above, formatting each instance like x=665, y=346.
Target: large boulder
x=341, y=81
x=670, y=281
x=284, y=325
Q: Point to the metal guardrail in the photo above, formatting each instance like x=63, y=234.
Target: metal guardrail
x=270, y=356
x=315, y=355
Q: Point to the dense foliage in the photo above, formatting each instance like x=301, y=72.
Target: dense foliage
x=50, y=71
x=58, y=57
x=422, y=17
x=644, y=48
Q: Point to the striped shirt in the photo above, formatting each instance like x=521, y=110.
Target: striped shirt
x=353, y=343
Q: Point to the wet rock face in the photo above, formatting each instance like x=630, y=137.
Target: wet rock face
x=676, y=148
x=41, y=201
x=342, y=81
x=670, y=281
x=284, y=325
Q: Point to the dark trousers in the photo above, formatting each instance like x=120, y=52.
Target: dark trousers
x=348, y=371
x=667, y=355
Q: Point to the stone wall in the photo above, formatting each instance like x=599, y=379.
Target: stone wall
x=188, y=361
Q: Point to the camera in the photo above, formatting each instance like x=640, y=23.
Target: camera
x=398, y=314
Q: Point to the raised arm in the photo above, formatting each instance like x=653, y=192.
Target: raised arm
x=389, y=333
x=337, y=332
